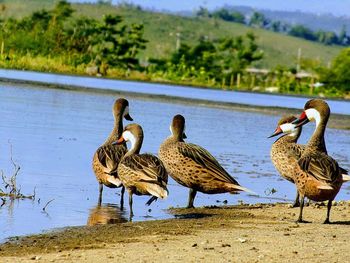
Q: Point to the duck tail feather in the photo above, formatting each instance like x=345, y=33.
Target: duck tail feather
x=151, y=200
x=114, y=181
x=241, y=188
x=346, y=177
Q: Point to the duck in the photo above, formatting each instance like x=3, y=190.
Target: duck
x=285, y=152
x=317, y=175
x=107, y=157
x=141, y=174
x=194, y=167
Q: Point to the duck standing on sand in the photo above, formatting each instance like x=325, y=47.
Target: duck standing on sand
x=317, y=175
x=107, y=156
x=194, y=167
x=285, y=152
x=141, y=174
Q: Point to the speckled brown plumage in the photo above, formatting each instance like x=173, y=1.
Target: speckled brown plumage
x=192, y=166
x=317, y=175
x=107, y=156
x=141, y=174
x=285, y=152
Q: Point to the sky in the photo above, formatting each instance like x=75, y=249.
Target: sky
x=336, y=7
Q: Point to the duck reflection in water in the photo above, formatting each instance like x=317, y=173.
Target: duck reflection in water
x=106, y=214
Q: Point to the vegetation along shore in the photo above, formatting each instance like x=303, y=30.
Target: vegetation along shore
x=206, y=50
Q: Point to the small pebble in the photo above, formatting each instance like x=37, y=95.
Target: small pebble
x=242, y=240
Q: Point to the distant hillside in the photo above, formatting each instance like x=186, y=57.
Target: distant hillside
x=327, y=22
x=161, y=31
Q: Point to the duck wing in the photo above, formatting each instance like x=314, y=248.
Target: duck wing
x=320, y=166
x=109, y=156
x=149, y=168
x=203, y=158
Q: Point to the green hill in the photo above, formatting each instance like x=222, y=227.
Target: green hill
x=161, y=31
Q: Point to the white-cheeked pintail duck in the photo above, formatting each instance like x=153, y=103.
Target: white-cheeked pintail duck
x=285, y=152
x=107, y=156
x=317, y=175
x=141, y=174
x=194, y=167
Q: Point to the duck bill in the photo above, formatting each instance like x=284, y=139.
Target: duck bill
x=276, y=132
x=128, y=117
x=302, y=120
x=119, y=141
x=184, y=136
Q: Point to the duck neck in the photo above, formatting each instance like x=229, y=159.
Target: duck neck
x=136, y=143
x=117, y=129
x=317, y=141
x=178, y=137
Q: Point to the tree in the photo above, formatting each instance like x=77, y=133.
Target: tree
x=327, y=38
x=203, y=12
x=303, y=32
x=226, y=15
x=236, y=53
x=115, y=44
x=258, y=20
x=338, y=76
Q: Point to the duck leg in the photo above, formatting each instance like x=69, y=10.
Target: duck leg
x=122, y=197
x=296, y=202
x=130, y=205
x=300, y=219
x=329, y=206
x=191, y=197
x=100, y=188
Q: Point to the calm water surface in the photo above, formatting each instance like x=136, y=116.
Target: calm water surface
x=54, y=133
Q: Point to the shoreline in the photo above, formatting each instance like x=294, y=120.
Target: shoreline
x=336, y=121
x=240, y=233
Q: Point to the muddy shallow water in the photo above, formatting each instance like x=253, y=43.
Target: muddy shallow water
x=54, y=133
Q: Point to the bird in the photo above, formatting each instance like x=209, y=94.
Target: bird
x=107, y=156
x=317, y=175
x=194, y=167
x=285, y=151
x=141, y=174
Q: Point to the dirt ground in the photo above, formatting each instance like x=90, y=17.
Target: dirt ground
x=243, y=233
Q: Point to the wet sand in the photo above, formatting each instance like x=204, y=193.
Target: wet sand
x=243, y=233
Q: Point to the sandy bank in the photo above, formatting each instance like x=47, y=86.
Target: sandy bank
x=244, y=233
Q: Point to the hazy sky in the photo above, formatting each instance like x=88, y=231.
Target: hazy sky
x=337, y=7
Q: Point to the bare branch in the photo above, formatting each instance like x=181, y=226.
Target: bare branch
x=44, y=208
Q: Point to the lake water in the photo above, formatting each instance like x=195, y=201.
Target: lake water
x=54, y=133
x=194, y=93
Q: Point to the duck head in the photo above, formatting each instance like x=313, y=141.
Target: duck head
x=132, y=133
x=177, y=127
x=314, y=110
x=285, y=125
x=121, y=106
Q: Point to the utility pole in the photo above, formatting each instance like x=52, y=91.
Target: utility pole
x=298, y=59
x=178, y=40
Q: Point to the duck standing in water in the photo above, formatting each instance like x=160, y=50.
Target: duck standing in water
x=285, y=152
x=141, y=174
x=194, y=167
x=317, y=175
x=107, y=156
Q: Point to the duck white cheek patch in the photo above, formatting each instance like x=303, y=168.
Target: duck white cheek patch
x=128, y=136
x=313, y=114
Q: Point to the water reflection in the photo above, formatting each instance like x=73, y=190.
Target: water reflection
x=106, y=214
